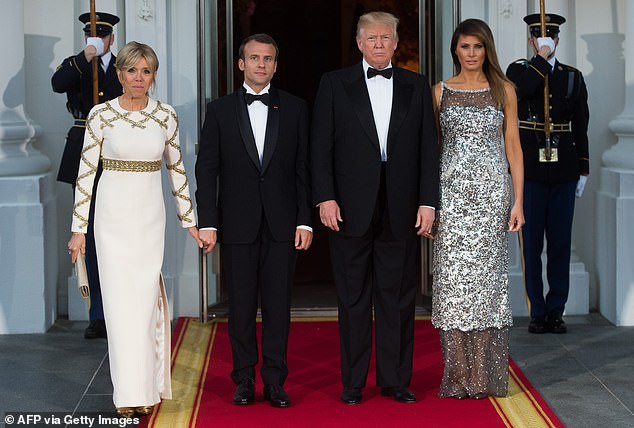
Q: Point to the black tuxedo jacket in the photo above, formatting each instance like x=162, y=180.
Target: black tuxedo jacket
x=234, y=190
x=74, y=77
x=345, y=153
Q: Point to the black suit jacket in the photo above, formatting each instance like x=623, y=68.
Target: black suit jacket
x=569, y=103
x=74, y=77
x=234, y=190
x=345, y=153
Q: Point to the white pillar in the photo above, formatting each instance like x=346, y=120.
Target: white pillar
x=27, y=209
x=615, y=203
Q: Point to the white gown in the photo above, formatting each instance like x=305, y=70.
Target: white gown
x=129, y=239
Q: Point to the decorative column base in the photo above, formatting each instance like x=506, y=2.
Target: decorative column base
x=615, y=252
x=28, y=251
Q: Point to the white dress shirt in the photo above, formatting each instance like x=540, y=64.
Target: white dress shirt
x=258, y=115
x=105, y=60
x=380, y=90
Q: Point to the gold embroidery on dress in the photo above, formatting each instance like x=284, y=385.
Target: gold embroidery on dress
x=92, y=169
x=177, y=167
x=122, y=165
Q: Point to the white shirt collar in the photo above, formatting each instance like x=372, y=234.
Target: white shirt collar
x=552, y=62
x=265, y=90
x=105, y=59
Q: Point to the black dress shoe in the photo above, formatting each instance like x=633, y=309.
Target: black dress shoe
x=276, y=395
x=537, y=325
x=96, y=330
x=245, y=392
x=400, y=394
x=351, y=395
x=555, y=324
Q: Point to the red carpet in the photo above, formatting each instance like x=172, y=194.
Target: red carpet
x=203, y=390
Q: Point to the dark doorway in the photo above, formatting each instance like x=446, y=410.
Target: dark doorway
x=315, y=36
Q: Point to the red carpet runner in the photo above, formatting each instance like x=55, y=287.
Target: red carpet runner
x=201, y=363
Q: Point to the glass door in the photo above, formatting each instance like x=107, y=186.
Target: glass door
x=314, y=36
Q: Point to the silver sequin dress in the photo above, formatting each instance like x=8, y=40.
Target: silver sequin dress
x=470, y=291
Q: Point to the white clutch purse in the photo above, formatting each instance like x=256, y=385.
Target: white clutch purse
x=82, y=275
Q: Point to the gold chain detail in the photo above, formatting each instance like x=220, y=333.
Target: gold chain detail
x=131, y=165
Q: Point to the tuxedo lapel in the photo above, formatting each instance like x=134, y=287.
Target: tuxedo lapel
x=244, y=124
x=401, y=99
x=357, y=91
x=272, y=128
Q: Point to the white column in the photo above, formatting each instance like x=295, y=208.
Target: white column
x=146, y=21
x=27, y=208
x=615, y=203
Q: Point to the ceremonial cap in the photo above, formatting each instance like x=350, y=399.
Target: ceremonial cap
x=553, y=21
x=104, y=23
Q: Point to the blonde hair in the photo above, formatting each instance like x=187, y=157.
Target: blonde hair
x=131, y=53
x=378, y=18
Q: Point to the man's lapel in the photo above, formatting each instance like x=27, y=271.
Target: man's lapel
x=401, y=99
x=244, y=124
x=272, y=128
x=357, y=91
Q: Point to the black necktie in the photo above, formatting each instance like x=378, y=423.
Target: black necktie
x=249, y=98
x=386, y=72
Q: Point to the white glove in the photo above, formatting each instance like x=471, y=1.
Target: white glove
x=97, y=42
x=581, y=184
x=546, y=41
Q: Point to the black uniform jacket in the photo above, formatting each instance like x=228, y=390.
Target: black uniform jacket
x=74, y=77
x=234, y=189
x=568, y=105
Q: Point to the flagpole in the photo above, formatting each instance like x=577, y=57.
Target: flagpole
x=547, y=121
x=95, y=60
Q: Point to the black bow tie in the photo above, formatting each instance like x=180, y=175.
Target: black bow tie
x=249, y=98
x=386, y=72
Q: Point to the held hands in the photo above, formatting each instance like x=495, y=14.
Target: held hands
x=330, y=214
x=76, y=244
x=303, y=239
x=193, y=231
x=516, y=221
x=207, y=239
x=424, y=221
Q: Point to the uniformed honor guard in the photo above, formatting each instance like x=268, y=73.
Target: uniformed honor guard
x=74, y=77
x=555, y=167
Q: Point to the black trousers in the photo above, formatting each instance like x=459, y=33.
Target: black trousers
x=265, y=267
x=548, y=209
x=375, y=269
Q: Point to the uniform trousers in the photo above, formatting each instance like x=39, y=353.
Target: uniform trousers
x=548, y=210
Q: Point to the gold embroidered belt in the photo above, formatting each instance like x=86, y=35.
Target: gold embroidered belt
x=539, y=126
x=80, y=123
x=131, y=165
